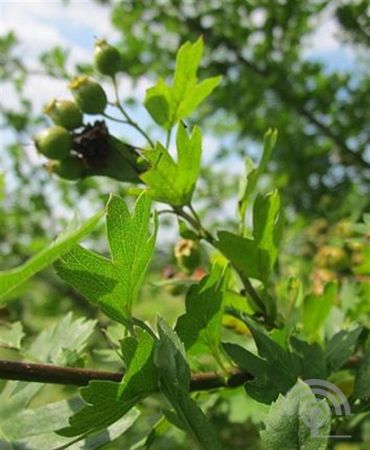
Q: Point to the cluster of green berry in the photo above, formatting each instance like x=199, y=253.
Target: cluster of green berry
x=57, y=143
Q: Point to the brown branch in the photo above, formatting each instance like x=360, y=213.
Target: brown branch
x=50, y=374
x=47, y=373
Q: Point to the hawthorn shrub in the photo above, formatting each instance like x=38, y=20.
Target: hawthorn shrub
x=256, y=336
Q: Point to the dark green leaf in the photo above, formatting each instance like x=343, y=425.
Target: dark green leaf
x=174, y=375
x=200, y=327
x=340, y=347
x=362, y=382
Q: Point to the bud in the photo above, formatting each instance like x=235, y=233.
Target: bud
x=187, y=254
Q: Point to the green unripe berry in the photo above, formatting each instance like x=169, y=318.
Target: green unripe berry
x=54, y=142
x=107, y=59
x=65, y=113
x=89, y=95
x=71, y=168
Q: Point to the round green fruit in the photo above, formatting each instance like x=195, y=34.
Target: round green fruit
x=107, y=59
x=89, y=95
x=65, y=113
x=71, y=168
x=54, y=142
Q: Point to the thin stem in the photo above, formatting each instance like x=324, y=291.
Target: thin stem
x=115, y=119
x=168, y=138
x=126, y=115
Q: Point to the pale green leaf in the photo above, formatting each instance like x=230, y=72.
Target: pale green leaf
x=11, y=335
x=197, y=95
x=10, y=279
x=267, y=225
x=67, y=334
x=157, y=102
x=249, y=182
x=171, y=182
x=297, y=421
x=256, y=257
x=169, y=104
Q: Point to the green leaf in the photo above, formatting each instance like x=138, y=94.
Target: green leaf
x=11, y=335
x=267, y=225
x=256, y=257
x=114, y=284
x=246, y=360
x=174, y=375
x=10, y=279
x=200, y=327
x=171, y=182
x=244, y=254
x=287, y=424
x=48, y=347
x=159, y=430
x=316, y=309
x=194, y=97
x=94, y=277
x=157, y=102
x=35, y=428
x=131, y=244
x=106, y=401
x=67, y=334
x=312, y=359
x=249, y=183
x=340, y=347
x=103, y=408
x=185, y=232
x=276, y=369
x=169, y=104
x=141, y=377
x=362, y=381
